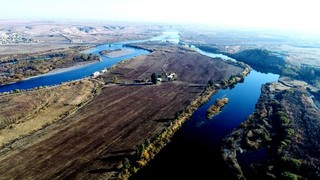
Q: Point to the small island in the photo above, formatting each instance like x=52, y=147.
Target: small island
x=216, y=107
x=115, y=52
x=106, y=52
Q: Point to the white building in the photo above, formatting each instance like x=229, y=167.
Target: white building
x=171, y=77
x=95, y=74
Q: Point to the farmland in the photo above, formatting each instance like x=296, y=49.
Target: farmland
x=93, y=142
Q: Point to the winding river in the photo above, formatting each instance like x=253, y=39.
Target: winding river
x=195, y=149
x=87, y=70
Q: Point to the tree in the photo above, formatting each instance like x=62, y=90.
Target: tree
x=114, y=79
x=84, y=57
x=126, y=163
x=154, y=79
x=210, y=82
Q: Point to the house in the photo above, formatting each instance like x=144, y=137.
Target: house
x=171, y=77
x=95, y=74
x=103, y=71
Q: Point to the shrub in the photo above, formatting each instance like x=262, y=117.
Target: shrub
x=292, y=163
x=289, y=176
x=145, y=155
x=141, y=163
x=114, y=79
x=154, y=79
x=210, y=82
x=147, y=142
x=126, y=163
x=289, y=131
x=135, y=169
x=140, y=148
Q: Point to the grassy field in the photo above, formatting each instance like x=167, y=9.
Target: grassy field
x=93, y=142
x=24, y=113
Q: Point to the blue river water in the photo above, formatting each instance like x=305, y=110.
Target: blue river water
x=195, y=149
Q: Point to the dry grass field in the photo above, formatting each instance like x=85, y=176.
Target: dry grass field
x=24, y=113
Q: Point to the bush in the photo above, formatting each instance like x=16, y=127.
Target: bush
x=294, y=163
x=135, y=169
x=211, y=82
x=140, y=148
x=114, y=79
x=141, y=163
x=289, y=131
x=289, y=176
x=224, y=83
x=126, y=163
x=291, y=163
x=145, y=155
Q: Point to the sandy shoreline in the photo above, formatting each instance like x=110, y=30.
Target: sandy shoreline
x=118, y=53
x=61, y=70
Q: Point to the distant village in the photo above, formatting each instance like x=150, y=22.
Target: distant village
x=15, y=38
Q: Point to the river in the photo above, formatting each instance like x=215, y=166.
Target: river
x=195, y=149
x=87, y=70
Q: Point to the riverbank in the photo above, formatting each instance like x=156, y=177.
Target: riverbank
x=95, y=140
x=280, y=139
x=20, y=67
x=275, y=142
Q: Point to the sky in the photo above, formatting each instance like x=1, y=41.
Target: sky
x=293, y=15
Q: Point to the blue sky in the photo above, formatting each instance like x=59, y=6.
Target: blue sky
x=279, y=14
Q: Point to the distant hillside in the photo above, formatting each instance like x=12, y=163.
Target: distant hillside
x=261, y=59
x=267, y=61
